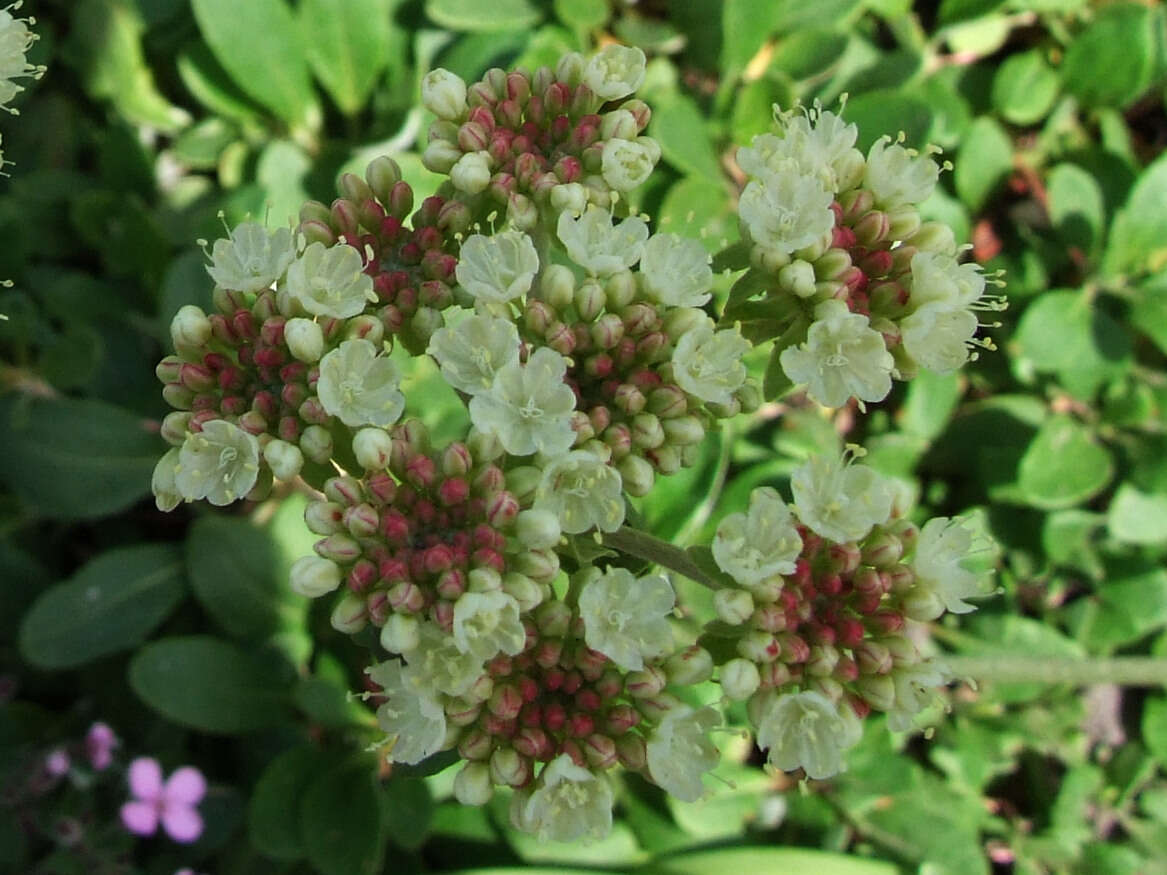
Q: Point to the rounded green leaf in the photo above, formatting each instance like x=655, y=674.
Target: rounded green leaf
x=679, y=127
x=1138, y=237
x=1112, y=61
x=1155, y=727
x=273, y=820
x=768, y=860
x=73, y=459
x=985, y=159
x=113, y=603
x=210, y=685
x=1025, y=88
x=409, y=810
x=888, y=112
x=476, y=15
x=347, y=42
x=1075, y=205
x=341, y=820
x=259, y=45
x=1064, y=465
x=582, y=16
x=1136, y=517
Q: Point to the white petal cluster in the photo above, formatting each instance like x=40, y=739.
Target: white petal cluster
x=487, y=623
x=755, y=546
x=568, y=803
x=807, y=730
x=897, y=176
x=15, y=41
x=499, y=267
x=252, y=258
x=943, y=548
x=786, y=210
x=219, y=463
x=675, y=270
x=583, y=492
x=939, y=330
x=360, y=387
x=680, y=752
x=163, y=483
x=626, y=617
x=471, y=352
x=815, y=141
x=615, y=71
x=625, y=164
x=529, y=406
x=414, y=720
x=843, y=356
x=438, y=663
x=597, y=245
x=916, y=687
x=838, y=500
x=708, y=363
x=330, y=281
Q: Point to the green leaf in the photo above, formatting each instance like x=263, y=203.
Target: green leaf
x=888, y=112
x=113, y=603
x=582, y=16
x=259, y=45
x=985, y=159
x=1064, y=465
x=273, y=824
x=210, y=685
x=1138, y=237
x=347, y=43
x=1113, y=60
x=746, y=25
x=409, y=811
x=956, y=11
x=767, y=860
x=678, y=125
x=931, y=400
x=805, y=53
x=699, y=208
x=1075, y=206
x=1129, y=606
x=72, y=459
x=1009, y=634
x=341, y=820
x=281, y=170
x=1155, y=727
x=1149, y=311
x=106, y=43
x=474, y=15
x=212, y=86
x=1136, y=517
x=1025, y=88
x=232, y=569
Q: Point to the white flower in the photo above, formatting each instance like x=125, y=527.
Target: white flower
x=625, y=617
x=943, y=548
x=755, y=546
x=838, y=500
x=843, y=356
x=15, y=41
x=499, y=267
x=487, y=623
x=940, y=278
x=414, y=720
x=938, y=335
x=898, y=176
x=816, y=141
x=437, y=663
x=597, y=245
x=679, y=751
x=676, y=270
x=330, y=281
x=916, y=686
x=625, y=164
x=219, y=463
x=252, y=259
x=528, y=407
x=360, y=387
x=163, y=484
x=615, y=71
x=473, y=351
x=444, y=94
x=569, y=803
x=786, y=210
x=807, y=730
x=582, y=491
x=314, y=576
x=709, y=364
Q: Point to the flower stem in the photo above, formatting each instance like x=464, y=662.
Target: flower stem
x=644, y=546
x=1133, y=671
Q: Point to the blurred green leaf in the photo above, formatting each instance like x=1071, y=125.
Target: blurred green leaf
x=888, y=112
x=347, y=43
x=273, y=822
x=260, y=46
x=74, y=459
x=583, y=16
x=1024, y=636
x=1064, y=465
x=985, y=159
x=1138, y=237
x=1149, y=311
x=1075, y=206
x=1112, y=61
x=679, y=127
x=342, y=820
x=113, y=603
x=1155, y=727
x=700, y=208
x=760, y=860
x=409, y=811
x=1136, y=517
x=1025, y=88
x=210, y=685
x=477, y=16
x=931, y=400
x=956, y=11
x=807, y=52
x=212, y=86
x=746, y=24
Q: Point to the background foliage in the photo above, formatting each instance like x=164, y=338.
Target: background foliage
x=178, y=630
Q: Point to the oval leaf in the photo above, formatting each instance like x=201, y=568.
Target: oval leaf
x=1064, y=465
x=111, y=604
x=476, y=15
x=273, y=824
x=341, y=822
x=986, y=157
x=348, y=46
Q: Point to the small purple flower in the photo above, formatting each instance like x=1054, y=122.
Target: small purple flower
x=174, y=803
x=99, y=744
x=57, y=763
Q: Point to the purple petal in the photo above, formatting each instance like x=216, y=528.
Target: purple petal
x=146, y=779
x=99, y=744
x=140, y=818
x=186, y=785
x=182, y=823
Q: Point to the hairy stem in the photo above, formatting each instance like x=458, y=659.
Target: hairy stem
x=1133, y=671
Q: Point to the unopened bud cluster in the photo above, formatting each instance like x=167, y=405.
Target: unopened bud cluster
x=863, y=289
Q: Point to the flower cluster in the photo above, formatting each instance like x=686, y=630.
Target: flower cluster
x=586, y=353
x=15, y=41
x=863, y=290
